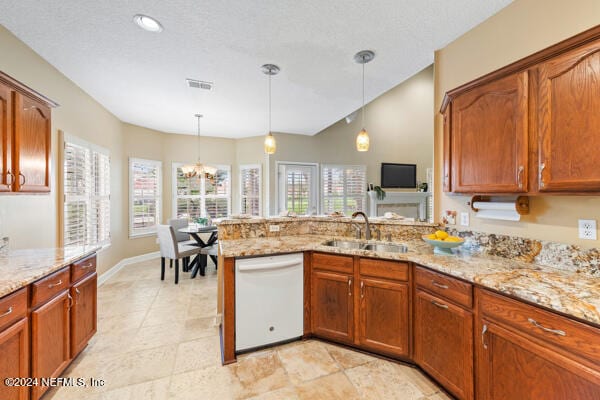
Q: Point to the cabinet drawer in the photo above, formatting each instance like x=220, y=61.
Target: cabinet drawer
x=46, y=288
x=569, y=336
x=83, y=267
x=396, y=270
x=450, y=288
x=13, y=307
x=331, y=262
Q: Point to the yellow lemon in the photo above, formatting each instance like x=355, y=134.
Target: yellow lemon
x=432, y=236
x=441, y=235
x=453, y=239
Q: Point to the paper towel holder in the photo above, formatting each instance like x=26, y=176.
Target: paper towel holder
x=521, y=203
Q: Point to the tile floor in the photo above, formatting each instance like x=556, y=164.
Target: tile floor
x=158, y=341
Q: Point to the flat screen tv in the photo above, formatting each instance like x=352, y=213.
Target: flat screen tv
x=398, y=175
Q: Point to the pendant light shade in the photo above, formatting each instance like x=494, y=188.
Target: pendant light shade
x=270, y=145
x=362, y=139
x=198, y=169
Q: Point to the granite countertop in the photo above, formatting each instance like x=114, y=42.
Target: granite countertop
x=19, y=268
x=570, y=293
x=321, y=218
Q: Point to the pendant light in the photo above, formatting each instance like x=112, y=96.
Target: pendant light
x=191, y=170
x=270, y=145
x=362, y=139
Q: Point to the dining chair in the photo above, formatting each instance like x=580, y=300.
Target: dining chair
x=181, y=237
x=169, y=248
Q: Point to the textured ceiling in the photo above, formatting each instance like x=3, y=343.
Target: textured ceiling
x=140, y=76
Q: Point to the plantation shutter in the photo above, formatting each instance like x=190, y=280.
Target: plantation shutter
x=250, y=180
x=201, y=196
x=344, y=188
x=145, y=180
x=218, y=193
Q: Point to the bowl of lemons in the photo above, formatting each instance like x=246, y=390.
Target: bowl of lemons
x=442, y=242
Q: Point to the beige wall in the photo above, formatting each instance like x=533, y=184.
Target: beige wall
x=518, y=30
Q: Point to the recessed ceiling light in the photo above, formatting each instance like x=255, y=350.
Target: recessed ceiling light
x=147, y=23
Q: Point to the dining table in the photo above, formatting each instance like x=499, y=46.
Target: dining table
x=200, y=261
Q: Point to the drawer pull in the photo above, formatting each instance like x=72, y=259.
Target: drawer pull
x=90, y=265
x=435, y=303
x=483, y=331
x=50, y=286
x=434, y=283
x=362, y=289
x=9, y=311
x=350, y=287
x=542, y=327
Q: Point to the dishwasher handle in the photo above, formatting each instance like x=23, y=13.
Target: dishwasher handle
x=268, y=266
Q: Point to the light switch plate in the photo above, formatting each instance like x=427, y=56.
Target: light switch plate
x=587, y=229
x=273, y=228
x=464, y=218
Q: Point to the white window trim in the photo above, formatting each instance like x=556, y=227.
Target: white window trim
x=204, y=196
x=260, y=186
x=315, y=187
x=152, y=230
x=344, y=166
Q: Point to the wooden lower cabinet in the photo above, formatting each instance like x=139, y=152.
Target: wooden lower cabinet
x=384, y=318
x=50, y=340
x=332, y=306
x=83, y=313
x=510, y=366
x=14, y=359
x=443, y=341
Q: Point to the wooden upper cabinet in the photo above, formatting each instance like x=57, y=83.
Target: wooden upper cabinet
x=489, y=136
x=446, y=181
x=6, y=179
x=569, y=121
x=32, y=145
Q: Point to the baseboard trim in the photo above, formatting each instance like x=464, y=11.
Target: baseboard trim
x=123, y=263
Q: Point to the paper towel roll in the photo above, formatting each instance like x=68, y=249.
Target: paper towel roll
x=491, y=205
x=505, y=215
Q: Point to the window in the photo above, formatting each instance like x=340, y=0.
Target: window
x=344, y=188
x=297, y=187
x=202, y=196
x=86, y=186
x=250, y=189
x=144, y=196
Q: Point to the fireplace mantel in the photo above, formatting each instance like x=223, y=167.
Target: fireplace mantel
x=402, y=199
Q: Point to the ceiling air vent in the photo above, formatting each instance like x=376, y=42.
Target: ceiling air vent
x=196, y=84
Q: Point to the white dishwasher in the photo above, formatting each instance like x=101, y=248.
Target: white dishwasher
x=269, y=300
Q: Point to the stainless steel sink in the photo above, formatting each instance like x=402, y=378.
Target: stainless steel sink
x=344, y=244
x=389, y=248
x=386, y=247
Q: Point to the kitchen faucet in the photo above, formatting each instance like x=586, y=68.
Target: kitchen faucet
x=367, y=227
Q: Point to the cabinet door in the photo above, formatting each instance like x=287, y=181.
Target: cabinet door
x=332, y=306
x=50, y=340
x=489, y=137
x=384, y=316
x=14, y=348
x=509, y=366
x=32, y=145
x=447, y=183
x=83, y=313
x=569, y=121
x=444, y=343
x=6, y=179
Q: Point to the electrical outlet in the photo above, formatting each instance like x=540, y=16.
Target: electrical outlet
x=587, y=229
x=464, y=218
x=273, y=228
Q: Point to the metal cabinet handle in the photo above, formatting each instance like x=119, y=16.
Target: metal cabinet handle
x=483, y=331
x=9, y=311
x=520, y=176
x=90, y=265
x=12, y=179
x=350, y=287
x=21, y=176
x=70, y=300
x=434, y=283
x=362, y=289
x=542, y=327
x=435, y=303
x=50, y=286
x=541, y=174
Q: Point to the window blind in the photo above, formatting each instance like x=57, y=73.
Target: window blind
x=250, y=189
x=86, y=187
x=201, y=196
x=344, y=188
x=145, y=193
x=298, y=189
